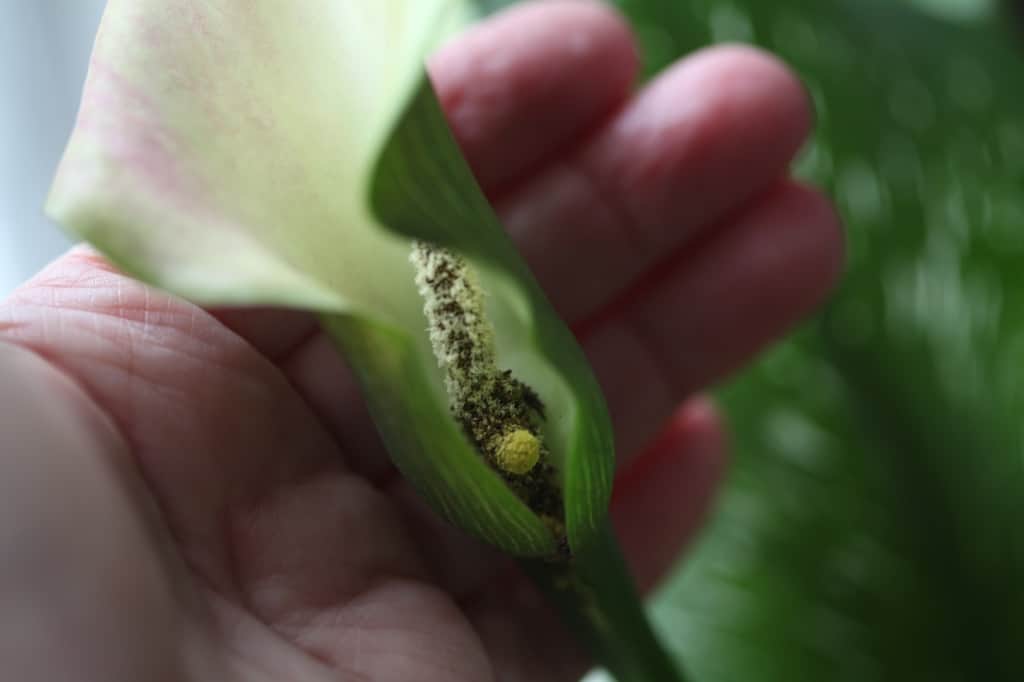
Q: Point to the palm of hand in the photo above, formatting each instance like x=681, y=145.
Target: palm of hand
x=206, y=498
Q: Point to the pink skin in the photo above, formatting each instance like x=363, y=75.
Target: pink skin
x=195, y=495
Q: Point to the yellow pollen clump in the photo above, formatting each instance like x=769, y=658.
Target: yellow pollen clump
x=517, y=452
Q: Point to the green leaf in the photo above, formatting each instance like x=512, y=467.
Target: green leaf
x=870, y=526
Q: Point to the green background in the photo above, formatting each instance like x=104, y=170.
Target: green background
x=870, y=528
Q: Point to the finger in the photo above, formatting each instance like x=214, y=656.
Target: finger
x=694, y=146
x=711, y=310
x=518, y=90
x=661, y=500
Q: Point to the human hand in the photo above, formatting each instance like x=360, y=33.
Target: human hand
x=194, y=495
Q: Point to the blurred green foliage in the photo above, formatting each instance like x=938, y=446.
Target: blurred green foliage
x=871, y=525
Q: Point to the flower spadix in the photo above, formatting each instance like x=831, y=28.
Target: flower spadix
x=294, y=153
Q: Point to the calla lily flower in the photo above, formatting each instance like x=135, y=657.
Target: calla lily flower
x=294, y=154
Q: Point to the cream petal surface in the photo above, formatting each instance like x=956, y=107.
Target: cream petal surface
x=223, y=148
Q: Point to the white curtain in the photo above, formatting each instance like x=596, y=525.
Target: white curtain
x=44, y=51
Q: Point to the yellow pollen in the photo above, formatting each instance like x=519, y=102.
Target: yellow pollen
x=517, y=452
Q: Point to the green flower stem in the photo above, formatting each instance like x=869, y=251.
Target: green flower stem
x=597, y=599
